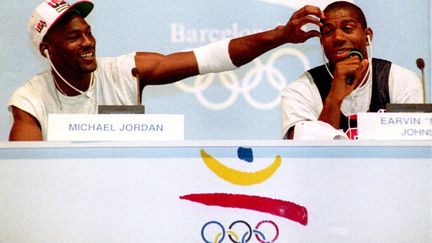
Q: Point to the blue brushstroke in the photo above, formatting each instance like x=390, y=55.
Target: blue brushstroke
x=245, y=154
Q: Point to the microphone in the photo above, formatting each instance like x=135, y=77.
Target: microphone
x=421, y=64
x=354, y=52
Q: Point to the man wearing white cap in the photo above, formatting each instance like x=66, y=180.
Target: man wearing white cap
x=78, y=82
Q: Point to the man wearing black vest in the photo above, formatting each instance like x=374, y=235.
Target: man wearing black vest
x=351, y=82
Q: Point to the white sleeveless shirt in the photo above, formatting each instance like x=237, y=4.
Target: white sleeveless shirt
x=113, y=85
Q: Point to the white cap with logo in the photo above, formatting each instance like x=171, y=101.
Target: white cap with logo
x=48, y=12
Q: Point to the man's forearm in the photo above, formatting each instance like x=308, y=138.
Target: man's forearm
x=244, y=49
x=331, y=112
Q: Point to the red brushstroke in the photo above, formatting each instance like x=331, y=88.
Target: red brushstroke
x=276, y=207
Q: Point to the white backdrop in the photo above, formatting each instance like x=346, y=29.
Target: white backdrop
x=359, y=192
x=243, y=104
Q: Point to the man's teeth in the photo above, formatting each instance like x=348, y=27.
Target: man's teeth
x=87, y=55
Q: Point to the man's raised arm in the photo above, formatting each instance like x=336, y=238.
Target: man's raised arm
x=225, y=55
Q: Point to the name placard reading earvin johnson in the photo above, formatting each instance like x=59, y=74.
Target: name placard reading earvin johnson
x=395, y=126
x=115, y=127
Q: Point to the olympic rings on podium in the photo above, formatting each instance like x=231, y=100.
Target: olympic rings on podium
x=238, y=232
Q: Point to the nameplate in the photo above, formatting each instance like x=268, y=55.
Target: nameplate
x=115, y=127
x=394, y=126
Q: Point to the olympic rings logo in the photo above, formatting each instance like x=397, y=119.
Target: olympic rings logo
x=245, y=235
x=251, y=80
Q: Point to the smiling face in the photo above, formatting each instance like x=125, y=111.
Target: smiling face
x=71, y=46
x=343, y=30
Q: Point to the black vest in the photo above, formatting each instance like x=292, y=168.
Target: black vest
x=380, y=90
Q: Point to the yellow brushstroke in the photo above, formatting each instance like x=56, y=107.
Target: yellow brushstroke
x=238, y=177
x=233, y=234
x=218, y=236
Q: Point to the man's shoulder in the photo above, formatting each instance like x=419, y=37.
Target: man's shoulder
x=398, y=68
x=320, y=76
x=302, y=83
x=121, y=58
x=38, y=80
x=319, y=68
x=113, y=66
x=29, y=95
x=393, y=66
x=399, y=72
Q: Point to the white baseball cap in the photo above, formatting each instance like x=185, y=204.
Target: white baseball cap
x=48, y=12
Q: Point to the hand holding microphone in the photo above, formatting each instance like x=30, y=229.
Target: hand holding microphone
x=350, y=72
x=353, y=53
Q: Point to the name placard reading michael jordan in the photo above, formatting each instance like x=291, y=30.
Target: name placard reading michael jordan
x=115, y=127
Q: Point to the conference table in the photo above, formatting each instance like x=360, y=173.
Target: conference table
x=216, y=191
